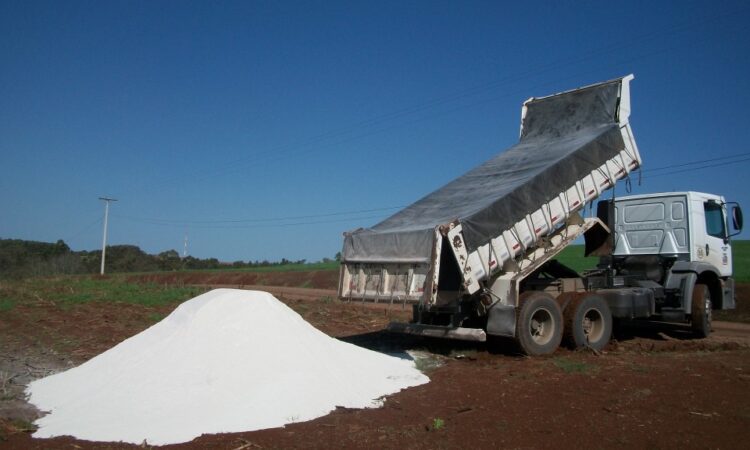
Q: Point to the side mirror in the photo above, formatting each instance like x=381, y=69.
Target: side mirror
x=737, y=217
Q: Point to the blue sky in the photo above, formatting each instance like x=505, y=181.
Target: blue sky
x=263, y=130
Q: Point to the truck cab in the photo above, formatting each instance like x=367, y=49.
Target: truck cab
x=670, y=243
x=686, y=226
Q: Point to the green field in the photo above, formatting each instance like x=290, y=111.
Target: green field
x=71, y=290
x=332, y=265
x=741, y=261
x=572, y=256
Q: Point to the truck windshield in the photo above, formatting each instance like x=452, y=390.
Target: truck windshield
x=714, y=219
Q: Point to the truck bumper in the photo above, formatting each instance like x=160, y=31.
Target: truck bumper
x=463, y=334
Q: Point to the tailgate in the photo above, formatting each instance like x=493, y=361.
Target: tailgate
x=386, y=282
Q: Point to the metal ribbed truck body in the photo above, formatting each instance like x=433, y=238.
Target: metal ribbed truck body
x=461, y=238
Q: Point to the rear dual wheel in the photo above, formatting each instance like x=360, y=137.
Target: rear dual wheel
x=539, y=324
x=588, y=322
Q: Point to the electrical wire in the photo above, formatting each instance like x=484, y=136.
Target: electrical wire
x=720, y=158
x=259, y=222
x=84, y=229
x=285, y=151
x=257, y=225
x=253, y=220
x=691, y=169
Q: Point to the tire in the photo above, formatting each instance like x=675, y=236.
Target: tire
x=588, y=323
x=700, y=318
x=539, y=324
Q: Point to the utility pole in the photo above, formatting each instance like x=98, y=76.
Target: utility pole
x=184, y=248
x=106, y=216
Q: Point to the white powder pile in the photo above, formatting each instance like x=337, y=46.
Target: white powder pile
x=226, y=361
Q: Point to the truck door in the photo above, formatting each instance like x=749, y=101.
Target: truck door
x=715, y=246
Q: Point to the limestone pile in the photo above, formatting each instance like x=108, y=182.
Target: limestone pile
x=225, y=361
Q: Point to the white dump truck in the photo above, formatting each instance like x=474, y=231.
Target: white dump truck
x=476, y=257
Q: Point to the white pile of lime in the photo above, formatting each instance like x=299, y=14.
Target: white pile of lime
x=225, y=361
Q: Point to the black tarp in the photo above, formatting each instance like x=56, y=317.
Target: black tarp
x=564, y=138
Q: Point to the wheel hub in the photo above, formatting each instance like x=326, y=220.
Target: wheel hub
x=541, y=326
x=593, y=325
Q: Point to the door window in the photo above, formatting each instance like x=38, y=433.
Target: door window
x=714, y=219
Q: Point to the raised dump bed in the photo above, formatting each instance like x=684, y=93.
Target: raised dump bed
x=573, y=146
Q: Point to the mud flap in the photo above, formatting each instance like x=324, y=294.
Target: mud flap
x=501, y=320
x=727, y=288
x=684, y=281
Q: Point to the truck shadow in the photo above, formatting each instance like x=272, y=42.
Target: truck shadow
x=386, y=342
x=395, y=343
x=656, y=331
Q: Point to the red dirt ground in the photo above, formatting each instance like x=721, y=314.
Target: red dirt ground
x=653, y=387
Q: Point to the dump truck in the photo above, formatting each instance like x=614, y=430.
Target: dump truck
x=476, y=258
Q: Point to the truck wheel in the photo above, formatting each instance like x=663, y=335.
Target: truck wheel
x=588, y=322
x=700, y=319
x=538, y=324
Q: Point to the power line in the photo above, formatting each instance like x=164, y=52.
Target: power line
x=253, y=220
x=696, y=168
x=259, y=222
x=268, y=225
x=286, y=150
x=720, y=158
x=84, y=229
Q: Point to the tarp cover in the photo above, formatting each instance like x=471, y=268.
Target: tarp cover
x=564, y=137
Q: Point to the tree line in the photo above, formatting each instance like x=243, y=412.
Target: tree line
x=21, y=258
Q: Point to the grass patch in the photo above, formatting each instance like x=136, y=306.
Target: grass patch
x=6, y=304
x=741, y=261
x=301, y=308
x=425, y=361
x=14, y=426
x=569, y=366
x=68, y=291
x=572, y=256
x=23, y=426
x=438, y=423
x=115, y=290
x=156, y=317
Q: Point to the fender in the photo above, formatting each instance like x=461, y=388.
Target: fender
x=683, y=276
x=501, y=320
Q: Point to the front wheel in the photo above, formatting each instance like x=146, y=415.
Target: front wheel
x=539, y=324
x=700, y=320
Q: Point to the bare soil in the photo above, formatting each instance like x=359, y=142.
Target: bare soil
x=654, y=386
